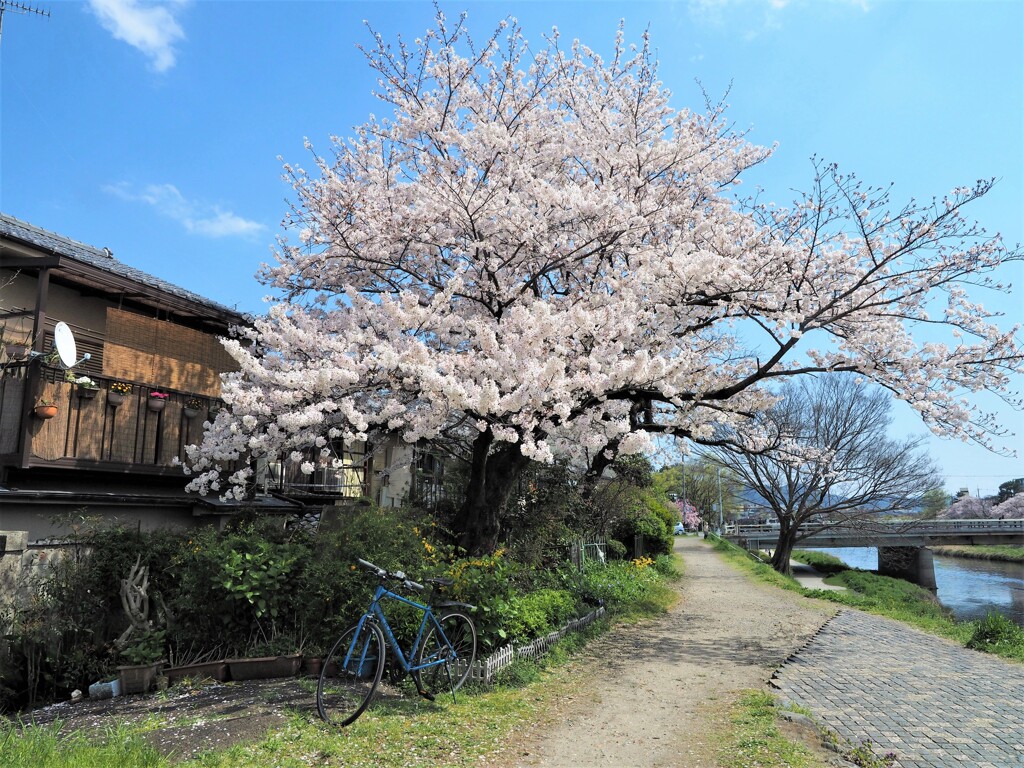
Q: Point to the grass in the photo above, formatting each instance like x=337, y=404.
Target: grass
x=898, y=600
x=49, y=747
x=444, y=733
x=997, y=634
x=1004, y=552
x=756, y=741
x=821, y=561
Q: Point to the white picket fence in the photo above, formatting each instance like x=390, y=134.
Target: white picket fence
x=484, y=670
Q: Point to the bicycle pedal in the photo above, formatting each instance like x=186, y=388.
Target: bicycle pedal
x=425, y=694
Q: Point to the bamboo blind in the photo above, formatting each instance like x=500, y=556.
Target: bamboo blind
x=161, y=353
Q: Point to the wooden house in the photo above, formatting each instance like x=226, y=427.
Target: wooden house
x=121, y=416
x=154, y=362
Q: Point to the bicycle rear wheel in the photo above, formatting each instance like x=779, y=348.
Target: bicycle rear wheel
x=350, y=674
x=459, y=651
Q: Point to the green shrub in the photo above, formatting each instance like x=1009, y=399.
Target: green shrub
x=525, y=617
x=641, y=521
x=489, y=583
x=998, y=634
x=616, y=550
x=255, y=588
x=611, y=584
x=666, y=565
x=646, y=514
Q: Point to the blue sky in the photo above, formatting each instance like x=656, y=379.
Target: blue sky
x=155, y=128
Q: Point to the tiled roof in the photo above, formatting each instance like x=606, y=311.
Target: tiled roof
x=101, y=258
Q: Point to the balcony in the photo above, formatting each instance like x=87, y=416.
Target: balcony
x=95, y=429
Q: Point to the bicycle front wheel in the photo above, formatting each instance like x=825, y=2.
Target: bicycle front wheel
x=459, y=652
x=350, y=674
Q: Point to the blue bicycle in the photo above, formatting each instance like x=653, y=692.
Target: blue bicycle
x=441, y=657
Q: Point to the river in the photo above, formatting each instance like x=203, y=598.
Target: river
x=969, y=588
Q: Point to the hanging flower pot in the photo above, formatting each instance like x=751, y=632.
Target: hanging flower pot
x=192, y=407
x=157, y=401
x=87, y=393
x=45, y=411
x=16, y=351
x=118, y=393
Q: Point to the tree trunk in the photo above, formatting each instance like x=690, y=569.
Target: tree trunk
x=784, y=549
x=492, y=477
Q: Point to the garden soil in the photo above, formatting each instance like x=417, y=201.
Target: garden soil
x=657, y=693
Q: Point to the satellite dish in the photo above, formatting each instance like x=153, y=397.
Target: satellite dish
x=64, y=340
x=67, y=350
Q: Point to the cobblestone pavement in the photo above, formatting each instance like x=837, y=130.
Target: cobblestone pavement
x=928, y=700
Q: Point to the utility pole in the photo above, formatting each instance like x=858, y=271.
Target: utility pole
x=15, y=7
x=684, y=485
x=721, y=528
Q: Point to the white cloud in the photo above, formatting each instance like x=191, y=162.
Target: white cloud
x=197, y=218
x=150, y=27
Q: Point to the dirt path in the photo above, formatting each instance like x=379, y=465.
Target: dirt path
x=659, y=691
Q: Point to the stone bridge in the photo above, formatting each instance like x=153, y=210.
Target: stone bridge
x=902, y=545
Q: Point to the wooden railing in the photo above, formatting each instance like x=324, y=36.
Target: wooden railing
x=96, y=425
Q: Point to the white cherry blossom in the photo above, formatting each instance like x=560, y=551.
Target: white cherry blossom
x=531, y=242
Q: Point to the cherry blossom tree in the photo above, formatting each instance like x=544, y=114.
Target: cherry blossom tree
x=532, y=245
x=688, y=514
x=1011, y=509
x=968, y=508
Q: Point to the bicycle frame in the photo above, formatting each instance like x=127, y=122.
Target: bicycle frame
x=376, y=613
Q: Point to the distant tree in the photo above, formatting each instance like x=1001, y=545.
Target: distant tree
x=968, y=508
x=687, y=514
x=1010, y=488
x=701, y=479
x=830, y=460
x=934, y=502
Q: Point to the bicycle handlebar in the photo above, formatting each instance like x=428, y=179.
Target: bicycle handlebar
x=398, y=575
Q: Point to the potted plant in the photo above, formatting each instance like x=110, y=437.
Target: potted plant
x=15, y=351
x=192, y=407
x=87, y=388
x=189, y=664
x=157, y=401
x=312, y=660
x=280, y=657
x=145, y=657
x=14, y=344
x=45, y=409
x=118, y=392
